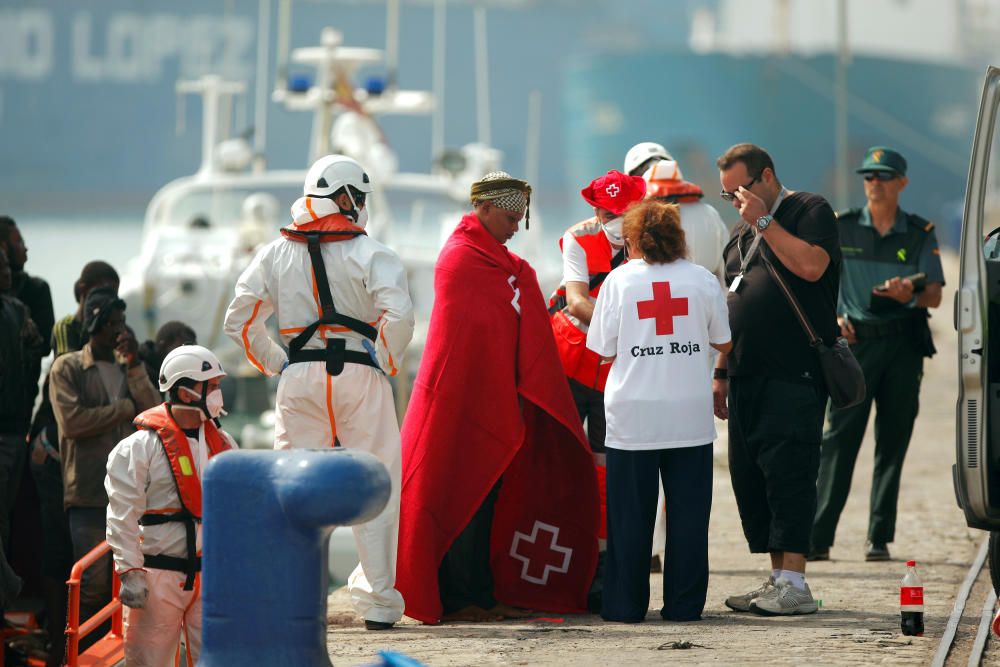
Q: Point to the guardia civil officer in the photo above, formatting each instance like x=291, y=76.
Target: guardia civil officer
x=882, y=311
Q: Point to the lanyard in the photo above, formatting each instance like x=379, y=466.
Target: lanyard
x=745, y=260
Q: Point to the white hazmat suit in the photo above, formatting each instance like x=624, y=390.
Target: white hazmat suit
x=140, y=481
x=313, y=408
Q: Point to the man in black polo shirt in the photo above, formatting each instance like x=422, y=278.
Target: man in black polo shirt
x=772, y=378
x=884, y=317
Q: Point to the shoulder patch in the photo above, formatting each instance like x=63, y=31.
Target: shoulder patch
x=920, y=223
x=848, y=213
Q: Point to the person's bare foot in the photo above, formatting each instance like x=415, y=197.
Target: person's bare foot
x=472, y=614
x=506, y=611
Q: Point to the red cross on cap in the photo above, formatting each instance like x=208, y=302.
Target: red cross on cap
x=613, y=190
x=663, y=308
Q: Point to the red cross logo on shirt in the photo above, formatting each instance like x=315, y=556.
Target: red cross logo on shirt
x=663, y=308
x=546, y=554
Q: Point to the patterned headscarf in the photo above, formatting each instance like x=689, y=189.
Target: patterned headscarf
x=504, y=191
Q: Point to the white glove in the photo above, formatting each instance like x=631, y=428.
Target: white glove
x=133, y=591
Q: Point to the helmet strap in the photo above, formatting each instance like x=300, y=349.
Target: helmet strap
x=200, y=404
x=353, y=213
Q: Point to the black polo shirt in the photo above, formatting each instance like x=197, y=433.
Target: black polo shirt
x=767, y=338
x=910, y=246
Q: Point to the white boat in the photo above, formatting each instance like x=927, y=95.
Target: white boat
x=201, y=231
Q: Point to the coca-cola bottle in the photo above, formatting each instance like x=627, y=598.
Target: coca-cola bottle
x=911, y=601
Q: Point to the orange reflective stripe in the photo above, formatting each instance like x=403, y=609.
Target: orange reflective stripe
x=246, y=339
x=194, y=598
x=329, y=409
x=328, y=328
x=309, y=207
x=392, y=364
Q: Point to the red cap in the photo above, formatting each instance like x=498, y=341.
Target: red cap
x=911, y=563
x=614, y=191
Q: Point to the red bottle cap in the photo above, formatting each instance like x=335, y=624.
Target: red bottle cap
x=911, y=563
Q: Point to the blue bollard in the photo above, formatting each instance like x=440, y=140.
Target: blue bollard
x=267, y=516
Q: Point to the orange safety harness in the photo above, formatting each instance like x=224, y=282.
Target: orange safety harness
x=178, y=451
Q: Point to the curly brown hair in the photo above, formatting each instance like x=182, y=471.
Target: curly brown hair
x=654, y=228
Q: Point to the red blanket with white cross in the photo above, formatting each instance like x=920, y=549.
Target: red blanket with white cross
x=490, y=401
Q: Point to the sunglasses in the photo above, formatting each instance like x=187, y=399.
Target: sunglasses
x=881, y=176
x=730, y=196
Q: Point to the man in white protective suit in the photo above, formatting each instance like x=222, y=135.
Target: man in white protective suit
x=344, y=311
x=154, y=508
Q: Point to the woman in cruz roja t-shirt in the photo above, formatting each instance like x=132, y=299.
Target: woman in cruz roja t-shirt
x=656, y=320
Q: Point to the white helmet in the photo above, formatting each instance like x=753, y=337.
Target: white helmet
x=189, y=361
x=333, y=172
x=642, y=152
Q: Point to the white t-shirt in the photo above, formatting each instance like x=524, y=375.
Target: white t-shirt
x=575, y=266
x=658, y=321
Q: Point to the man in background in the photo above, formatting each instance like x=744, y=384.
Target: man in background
x=169, y=337
x=46, y=464
x=20, y=351
x=95, y=394
x=883, y=314
x=32, y=291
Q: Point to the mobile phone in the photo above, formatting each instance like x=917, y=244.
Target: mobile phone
x=919, y=281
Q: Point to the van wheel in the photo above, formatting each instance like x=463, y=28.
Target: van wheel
x=994, y=560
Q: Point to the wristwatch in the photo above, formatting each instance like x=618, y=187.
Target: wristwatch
x=763, y=221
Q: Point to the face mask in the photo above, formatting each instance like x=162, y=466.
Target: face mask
x=360, y=216
x=210, y=406
x=613, y=230
x=214, y=403
x=362, y=220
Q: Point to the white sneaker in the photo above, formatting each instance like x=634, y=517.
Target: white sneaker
x=784, y=600
x=742, y=602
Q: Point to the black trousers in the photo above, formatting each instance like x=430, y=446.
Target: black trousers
x=632, y=494
x=590, y=406
x=893, y=368
x=775, y=429
x=464, y=577
x=13, y=455
x=57, y=559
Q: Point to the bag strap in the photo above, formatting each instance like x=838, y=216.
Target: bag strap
x=814, y=340
x=599, y=277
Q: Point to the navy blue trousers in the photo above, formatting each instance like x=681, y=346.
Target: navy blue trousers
x=632, y=494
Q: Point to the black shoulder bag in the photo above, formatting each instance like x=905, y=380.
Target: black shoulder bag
x=845, y=381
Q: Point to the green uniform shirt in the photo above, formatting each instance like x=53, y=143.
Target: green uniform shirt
x=870, y=259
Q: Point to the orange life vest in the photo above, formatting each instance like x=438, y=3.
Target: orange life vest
x=178, y=451
x=579, y=362
x=674, y=191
